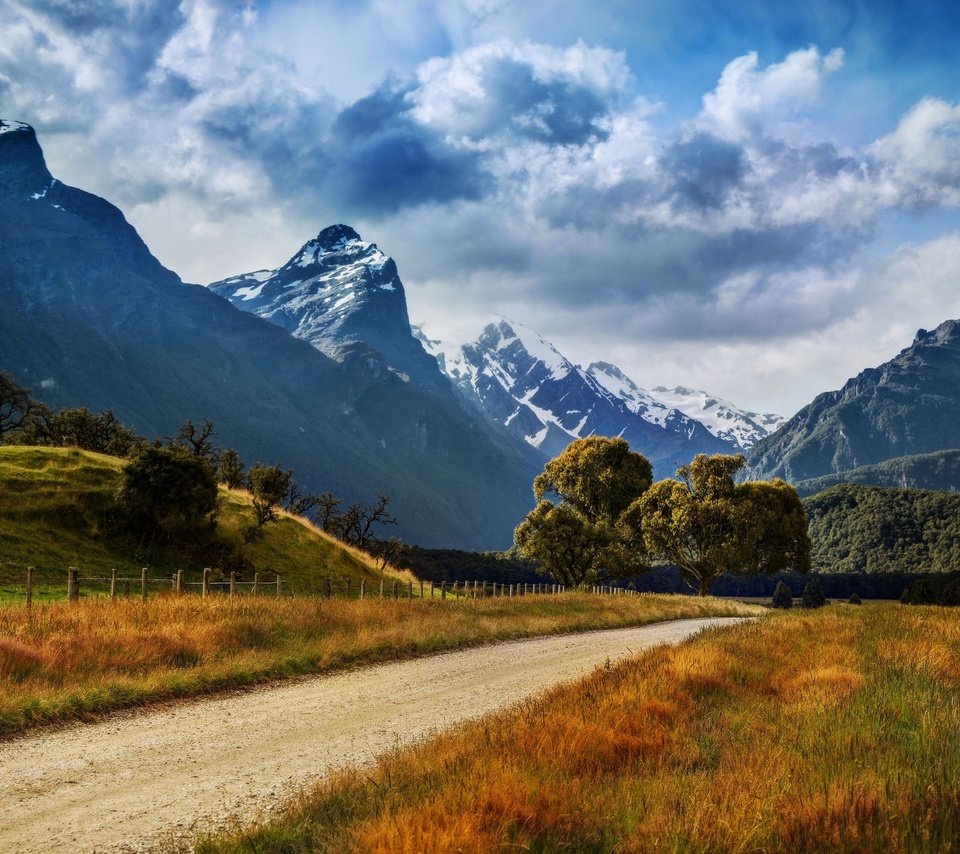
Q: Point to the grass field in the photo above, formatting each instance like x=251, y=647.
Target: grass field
x=64, y=662
x=832, y=730
x=55, y=511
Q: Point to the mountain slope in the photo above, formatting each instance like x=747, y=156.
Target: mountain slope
x=855, y=528
x=939, y=470
x=91, y=318
x=343, y=296
x=907, y=406
x=519, y=380
x=741, y=429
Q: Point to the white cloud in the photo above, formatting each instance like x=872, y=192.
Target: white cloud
x=750, y=101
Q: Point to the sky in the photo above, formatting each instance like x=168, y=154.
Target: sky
x=757, y=198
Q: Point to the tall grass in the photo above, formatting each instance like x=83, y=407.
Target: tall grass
x=62, y=662
x=833, y=730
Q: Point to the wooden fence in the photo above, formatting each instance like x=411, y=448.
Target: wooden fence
x=212, y=584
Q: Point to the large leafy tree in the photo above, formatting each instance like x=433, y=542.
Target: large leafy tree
x=575, y=537
x=707, y=525
x=19, y=412
x=169, y=491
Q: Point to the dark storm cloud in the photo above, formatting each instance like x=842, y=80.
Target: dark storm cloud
x=703, y=170
x=559, y=112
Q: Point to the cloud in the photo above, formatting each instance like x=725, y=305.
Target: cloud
x=543, y=181
x=748, y=101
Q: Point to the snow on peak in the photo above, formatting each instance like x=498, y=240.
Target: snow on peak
x=8, y=126
x=719, y=416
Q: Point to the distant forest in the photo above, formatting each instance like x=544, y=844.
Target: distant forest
x=874, y=541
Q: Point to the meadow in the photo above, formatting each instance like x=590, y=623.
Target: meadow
x=829, y=730
x=61, y=662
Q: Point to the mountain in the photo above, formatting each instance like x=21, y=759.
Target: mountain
x=345, y=297
x=91, y=318
x=519, y=380
x=742, y=429
x=939, y=470
x=905, y=407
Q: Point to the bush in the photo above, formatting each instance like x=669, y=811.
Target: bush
x=921, y=592
x=168, y=491
x=782, y=596
x=854, y=599
x=813, y=595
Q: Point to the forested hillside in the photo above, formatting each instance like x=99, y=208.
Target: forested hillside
x=857, y=528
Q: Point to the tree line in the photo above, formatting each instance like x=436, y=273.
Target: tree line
x=170, y=484
x=600, y=517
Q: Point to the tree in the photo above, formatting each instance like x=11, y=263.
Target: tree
x=198, y=440
x=269, y=485
x=169, y=491
x=782, y=596
x=18, y=410
x=707, y=525
x=596, y=476
x=103, y=433
x=299, y=503
x=813, y=595
x=358, y=524
x=576, y=538
x=230, y=469
x=326, y=515
x=573, y=550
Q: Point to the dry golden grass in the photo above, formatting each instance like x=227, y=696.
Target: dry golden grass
x=833, y=730
x=70, y=661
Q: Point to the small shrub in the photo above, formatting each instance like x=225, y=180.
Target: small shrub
x=854, y=599
x=921, y=592
x=782, y=596
x=813, y=595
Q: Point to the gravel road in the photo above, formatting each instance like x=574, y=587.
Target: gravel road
x=151, y=780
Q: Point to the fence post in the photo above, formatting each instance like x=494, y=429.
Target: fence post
x=279, y=583
x=233, y=583
x=256, y=583
x=381, y=588
x=348, y=588
x=29, y=586
x=394, y=589
x=363, y=584
x=421, y=589
x=327, y=587
x=73, y=585
x=126, y=588
x=143, y=584
x=179, y=582
x=206, y=582
x=443, y=590
x=410, y=591
x=113, y=584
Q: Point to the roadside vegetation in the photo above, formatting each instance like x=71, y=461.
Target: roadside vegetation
x=61, y=662
x=58, y=508
x=809, y=731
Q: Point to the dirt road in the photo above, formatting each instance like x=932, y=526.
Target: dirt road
x=145, y=781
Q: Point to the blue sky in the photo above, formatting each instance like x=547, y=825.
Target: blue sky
x=756, y=198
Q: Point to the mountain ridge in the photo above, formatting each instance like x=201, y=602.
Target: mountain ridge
x=907, y=406
x=91, y=318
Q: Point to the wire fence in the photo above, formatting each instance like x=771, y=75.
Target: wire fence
x=215, y=583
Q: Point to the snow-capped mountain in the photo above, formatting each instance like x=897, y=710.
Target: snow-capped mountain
x=345, y=297
x=742, y=429
x=519, y=380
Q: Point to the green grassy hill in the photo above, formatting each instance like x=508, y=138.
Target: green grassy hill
x=57, y=509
